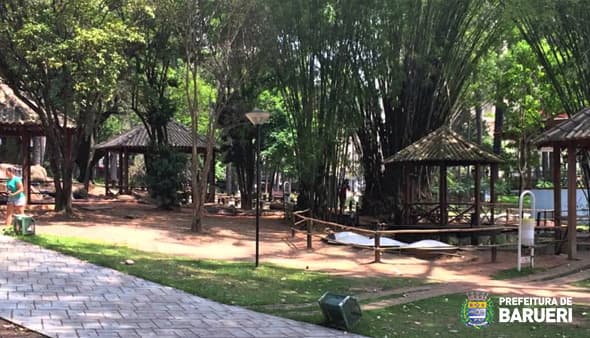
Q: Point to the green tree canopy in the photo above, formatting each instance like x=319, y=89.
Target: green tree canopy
x=64, y=58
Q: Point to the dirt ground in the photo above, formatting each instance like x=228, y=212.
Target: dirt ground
x=144, y=227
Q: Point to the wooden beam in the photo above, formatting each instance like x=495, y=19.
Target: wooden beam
x=476, y=202
x=557, y=184
x=26, y=165
x=444, y=212
x=377, y=247
x=120, y=173
x=571, y=201
x=407, y=197
x=556, y=176
x=493, y=175
x=107, y=172
x=309, y=233
x=127, y=190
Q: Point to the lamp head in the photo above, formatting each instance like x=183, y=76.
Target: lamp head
x=258, y=117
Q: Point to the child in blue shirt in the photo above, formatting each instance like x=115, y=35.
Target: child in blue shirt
x=16, y=196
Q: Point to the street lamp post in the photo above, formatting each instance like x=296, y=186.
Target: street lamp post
x=258, y=118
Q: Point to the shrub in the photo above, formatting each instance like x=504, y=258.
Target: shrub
x=165, y=170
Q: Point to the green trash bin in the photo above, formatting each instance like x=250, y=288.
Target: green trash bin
x=23, y=224
x=340, y=311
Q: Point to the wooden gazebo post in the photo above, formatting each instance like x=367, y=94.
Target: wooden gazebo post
x=211, y=180
x=493, y=175
x=407, y=198
x=107, y=175
x=571, y=201
x=444, y=212
x=557, y=195
x=120, y=172
x=477, y=193
x=26, y=165
x=126, y=189
x=476, y=202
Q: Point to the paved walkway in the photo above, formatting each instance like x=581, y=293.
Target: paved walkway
x=62, y=296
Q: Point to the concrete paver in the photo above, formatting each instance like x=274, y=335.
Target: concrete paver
x=62, y=296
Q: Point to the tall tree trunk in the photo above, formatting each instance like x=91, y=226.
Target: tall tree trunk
x=478, y=124
x=245, y=185
x=202, y=184
x=196, y=221
x=62, y=168
x=498, y=128
x=229, y=184
x=38, y=150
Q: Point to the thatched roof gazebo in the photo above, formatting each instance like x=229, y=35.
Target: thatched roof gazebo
x=17, y=119
x=573, y=131
x=136, y=141
x=444, y=147
x=573, y=134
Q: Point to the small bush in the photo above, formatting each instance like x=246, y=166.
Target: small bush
x=165, y=169
x=541, y=184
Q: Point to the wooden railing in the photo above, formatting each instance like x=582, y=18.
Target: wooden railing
x=429, y=212
x=461, y=213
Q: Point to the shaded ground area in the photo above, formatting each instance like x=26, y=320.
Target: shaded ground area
x=10, y=330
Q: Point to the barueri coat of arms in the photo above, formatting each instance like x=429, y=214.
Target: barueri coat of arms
x=477, y=310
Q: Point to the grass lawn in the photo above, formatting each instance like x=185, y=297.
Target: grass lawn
x=513, y=199
x=583, y=283
x=227, y=282
x=440, y=317
x=508, y=199
x=514, y=273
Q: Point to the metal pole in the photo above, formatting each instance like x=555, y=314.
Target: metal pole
x=257, y=192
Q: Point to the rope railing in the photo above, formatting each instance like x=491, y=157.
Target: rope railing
x=300, y=218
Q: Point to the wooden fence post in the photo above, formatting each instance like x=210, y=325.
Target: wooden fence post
x=309, y=230
x=377, y=247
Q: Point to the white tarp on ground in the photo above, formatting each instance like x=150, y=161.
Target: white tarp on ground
x=349, y=237
x=429, y=243
x=352, y=238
